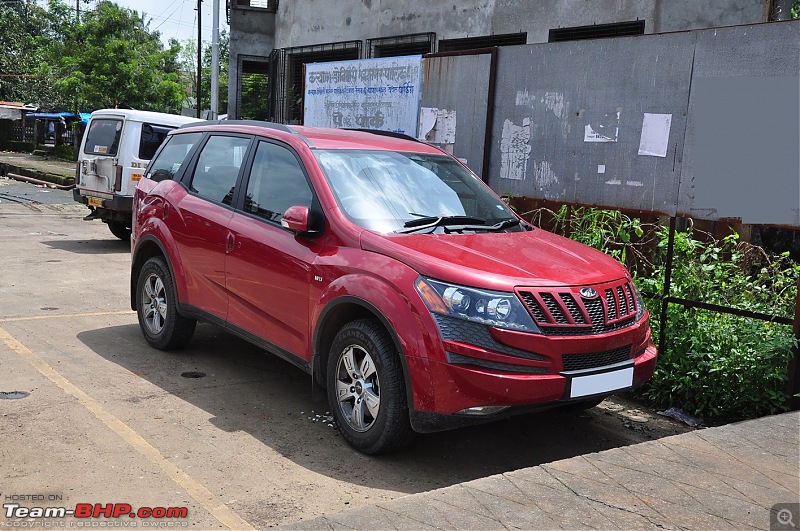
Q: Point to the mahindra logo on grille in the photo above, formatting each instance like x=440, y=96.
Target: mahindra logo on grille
x=588, y=293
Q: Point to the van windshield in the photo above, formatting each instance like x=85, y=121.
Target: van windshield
x=391, y=191
x=102, y=138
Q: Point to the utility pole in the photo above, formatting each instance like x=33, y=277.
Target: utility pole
x=215, y=62
x=199, y=92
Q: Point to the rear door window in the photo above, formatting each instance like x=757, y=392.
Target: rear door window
x=152, y=136
x=173, y=156
x=218, y=167
x=103, y=137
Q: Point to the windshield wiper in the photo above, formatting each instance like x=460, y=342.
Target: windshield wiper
x=454, y=224
x=440, y=221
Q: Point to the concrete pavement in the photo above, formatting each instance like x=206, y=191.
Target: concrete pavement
x=729, y=477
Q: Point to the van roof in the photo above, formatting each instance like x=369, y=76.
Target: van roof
x=147, y=116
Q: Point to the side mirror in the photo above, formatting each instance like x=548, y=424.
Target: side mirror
x=295, y=219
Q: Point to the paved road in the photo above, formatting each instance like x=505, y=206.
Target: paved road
x=109, y=420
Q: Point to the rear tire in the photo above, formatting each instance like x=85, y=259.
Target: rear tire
x=157, y=308
x=120, y=230
x=366, y=389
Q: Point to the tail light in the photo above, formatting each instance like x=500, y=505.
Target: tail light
x=78, y=173
x=118, y=180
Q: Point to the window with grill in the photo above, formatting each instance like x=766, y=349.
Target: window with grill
x=414, y=44
x=487, y=41
x=597, y=31
x=254, y=88
x=268, y=5
x=296, y=58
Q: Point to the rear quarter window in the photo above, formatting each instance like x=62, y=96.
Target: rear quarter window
x=103, y=135
x=173, y=156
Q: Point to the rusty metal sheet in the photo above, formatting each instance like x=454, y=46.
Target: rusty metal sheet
x=455, y=89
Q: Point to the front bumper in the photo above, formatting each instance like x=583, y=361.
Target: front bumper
x=521, y=372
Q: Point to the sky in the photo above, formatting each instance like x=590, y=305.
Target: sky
x=176, y=18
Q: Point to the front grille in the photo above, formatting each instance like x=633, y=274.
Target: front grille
x=452, y=329
x=593, y=360
x=572, y=307
x=565, y=312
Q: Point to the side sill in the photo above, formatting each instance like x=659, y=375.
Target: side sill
x=196, y=313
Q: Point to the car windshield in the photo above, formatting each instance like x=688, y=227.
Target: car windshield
x=390, y=191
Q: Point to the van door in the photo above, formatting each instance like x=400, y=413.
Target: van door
x=99, y=156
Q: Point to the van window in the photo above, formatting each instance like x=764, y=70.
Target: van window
x=151, y=137
x=103, y=136
x=173, y=156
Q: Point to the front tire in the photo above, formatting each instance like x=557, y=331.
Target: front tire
x=366, y=390
x=157, y=308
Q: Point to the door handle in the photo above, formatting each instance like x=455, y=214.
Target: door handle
x=230, y=242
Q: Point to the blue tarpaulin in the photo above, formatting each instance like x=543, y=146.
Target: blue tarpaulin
x=50, y=116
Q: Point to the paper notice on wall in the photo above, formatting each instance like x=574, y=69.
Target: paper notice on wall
x=655, y=134
x=590, y=135
x=515, y=149
x=437, y=126
x=427, y=119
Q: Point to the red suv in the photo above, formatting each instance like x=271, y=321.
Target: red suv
x=384, y=268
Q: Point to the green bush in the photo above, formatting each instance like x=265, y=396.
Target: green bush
x=21, y=147
x=717, y=366
x=65, y=152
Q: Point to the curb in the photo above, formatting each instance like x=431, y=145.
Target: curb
x=7, y=169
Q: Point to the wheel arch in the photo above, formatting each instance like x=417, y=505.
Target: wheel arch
x=335, y=315
x=147, y=248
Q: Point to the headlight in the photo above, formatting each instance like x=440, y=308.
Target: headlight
x=640, y=307
x=494, y=308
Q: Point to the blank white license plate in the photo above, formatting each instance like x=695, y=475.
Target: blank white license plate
x=601, y=383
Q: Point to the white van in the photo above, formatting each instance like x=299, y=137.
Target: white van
x=115, y=150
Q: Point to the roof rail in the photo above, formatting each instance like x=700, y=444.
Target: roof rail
x=258, y=123
x=381, y=132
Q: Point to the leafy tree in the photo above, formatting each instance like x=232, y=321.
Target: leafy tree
x=27, y=31
x=255, y=97
x=110, y=58
x=188, y=60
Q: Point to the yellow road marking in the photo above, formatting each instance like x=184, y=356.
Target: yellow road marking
x=56, y=315
x=202, y=495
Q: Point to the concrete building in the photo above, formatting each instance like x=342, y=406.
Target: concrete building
x=271, y=40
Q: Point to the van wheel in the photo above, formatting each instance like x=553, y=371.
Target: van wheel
x=120, y=230
x=366, y=391
x=156, y=306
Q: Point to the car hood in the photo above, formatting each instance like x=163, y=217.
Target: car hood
x=498, y=260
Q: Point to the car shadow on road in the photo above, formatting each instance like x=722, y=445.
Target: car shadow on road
x=247, y=390
x=110, y=246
